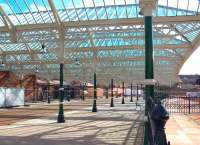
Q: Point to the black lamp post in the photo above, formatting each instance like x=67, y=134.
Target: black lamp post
x=61, y=118
x=123, y=102
x=111, y=103
x=137, y=93
x=94, y=106
x=131, y=93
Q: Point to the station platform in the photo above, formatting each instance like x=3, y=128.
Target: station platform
x=119, y=125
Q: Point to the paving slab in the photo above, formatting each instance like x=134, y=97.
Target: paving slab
x=120, y=125
x=182, y=130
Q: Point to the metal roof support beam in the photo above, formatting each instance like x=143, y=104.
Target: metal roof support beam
x=134, y=21
x=134, y=47
x=21, y=52
x=73, y=38
x=102, y=59
x=61, y=53
x=86, y=49
x=55, y=14
x=94, y=23
x=9, y=25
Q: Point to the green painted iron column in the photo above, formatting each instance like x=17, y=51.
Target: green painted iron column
x=111, y=103
x=146, y=8
x=61, y=118
x=94, y=106
x=123, y=102
x=149, y=74
x=131, y=93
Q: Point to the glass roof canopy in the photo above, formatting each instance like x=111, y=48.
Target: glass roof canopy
x=39, y=11
x=95, y=29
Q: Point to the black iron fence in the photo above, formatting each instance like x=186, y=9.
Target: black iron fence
x=177, y=102
x=181, y=104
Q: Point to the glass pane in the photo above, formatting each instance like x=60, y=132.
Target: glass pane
x=132, y=2
x=88, y=3
x=98, y=3
x=109, y=2
x=68, y=4
x=59, y=4
x=78, y=3
x=162, y=2
x=173, y=3
x=119, y=2
x=182, y=4
x=193, y=5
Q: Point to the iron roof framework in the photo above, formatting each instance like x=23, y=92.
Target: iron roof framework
x=96, y=35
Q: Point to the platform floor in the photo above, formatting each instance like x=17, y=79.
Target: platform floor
x=183, y=129
x=120, y=125
x=41, y=109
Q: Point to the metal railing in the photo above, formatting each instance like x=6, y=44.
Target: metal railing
x=182, y=104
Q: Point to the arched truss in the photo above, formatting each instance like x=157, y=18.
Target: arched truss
x=96, y=36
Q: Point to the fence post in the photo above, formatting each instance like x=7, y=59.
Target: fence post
x=189, y=103
x=199, y=103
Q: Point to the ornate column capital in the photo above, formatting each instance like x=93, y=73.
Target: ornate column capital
x=147, y=7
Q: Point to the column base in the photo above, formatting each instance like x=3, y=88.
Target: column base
x=61, y=119
x=94, y=107
x=123, y=102
x=111, y=103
